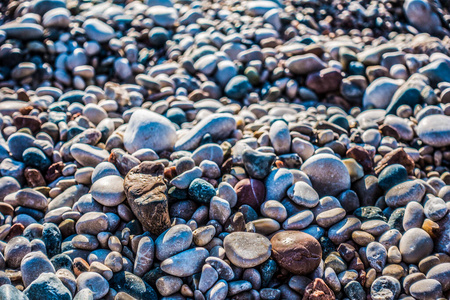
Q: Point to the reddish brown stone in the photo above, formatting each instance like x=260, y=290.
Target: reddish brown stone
x=67, y=227
x=346, y=251
x=324, y=81
x=251, y=192
x=388, y=130
x=26, y=110
x=30, y=122
x=362, y=277
x=318, y=290
x=361, y=155
x=80, y=266
x=397, y=156
x=226, y=166
x=54, y=171
x=146, y=192
x=296, y=251
x=124, y=162
x=356, y=264
x=33, y=177
x=235, y=223
x=16, y=230
x=279, y=164
x=22, y=95
x=170, y=172
x=6, y=209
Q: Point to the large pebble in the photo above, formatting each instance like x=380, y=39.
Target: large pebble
x=144, y=130
x=246, y=249
x=328, y=174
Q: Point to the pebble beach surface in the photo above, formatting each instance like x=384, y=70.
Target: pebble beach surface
x=181, y=149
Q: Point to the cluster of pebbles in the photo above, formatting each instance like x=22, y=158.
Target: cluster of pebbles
x=217, y=150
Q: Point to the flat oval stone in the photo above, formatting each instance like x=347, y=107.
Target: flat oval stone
x=31, y=198
x=303, y=194
x=9, y=292
x=93, y=281
x=246, y=249
x=144, y=256
x=87, y=155
x=426, y=289
x=145, y=129
x=434, y=130
x=132, y=285
x=108, y=190
x=172, y=241
x=296, y=251
x=92, y=223
x=280, y=137
x=403, y=193
x=23, y=31
x=33, y=265
x=415, y=244
x=219, y=126
x=441, y=273
x=299, y=221
x=342, y=231
x=15, y=250
x=328, y=174
x=98, y=31
x=185, y=263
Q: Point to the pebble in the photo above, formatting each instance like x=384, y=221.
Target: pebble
x=415, y=244
x=98, y=30
x=303, y=194
x=141, y=129
x=108, y=190
x=185, y=263
x=246, y=249
x=184, y=142
x=326, y=168
x=426, y=289
x=47, y=286
x=296, y=251
x=93, y=281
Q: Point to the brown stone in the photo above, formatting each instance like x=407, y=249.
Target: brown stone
x=397, y=156
x=251, y=192
x=67, y=227
x=15, y=230
x=147, y=195
x=170, y=172
x=30, y=122
x=235, y=223
x=361, y=155
x=432, y=228
x=388, y=130
x=80, y=266
x=318, y=290
x=297, y=252
x=346, y=251
x=324, y=81
x=54, y=171
x=6, y=209
x=356, y=264
x=124, y=162
x=25, y=110
x=34, y=177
